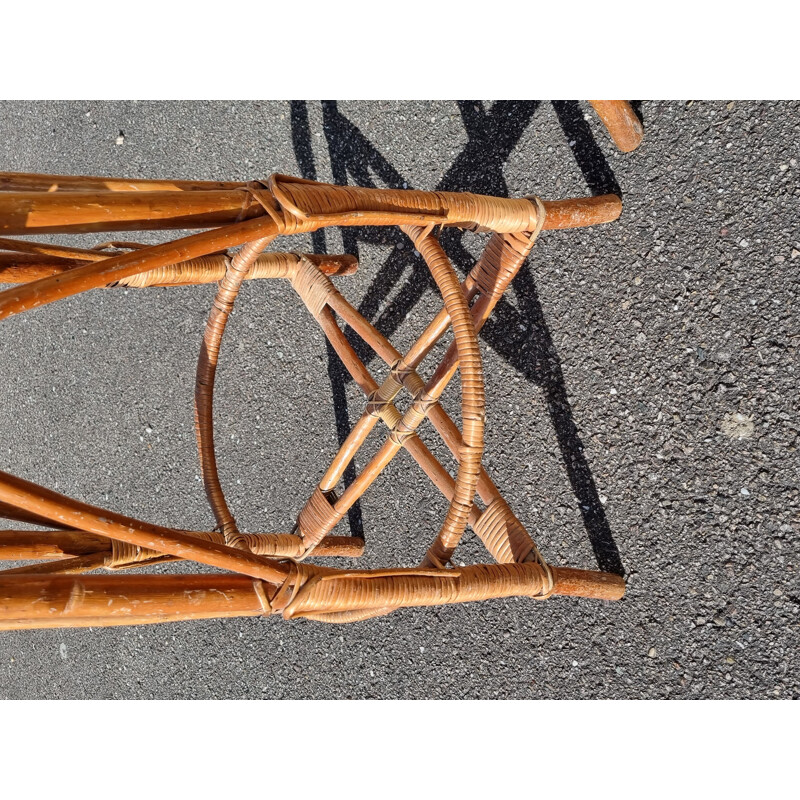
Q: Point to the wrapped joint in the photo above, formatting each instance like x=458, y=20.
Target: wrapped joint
x=407, y=376
x=124, y=554
x=313, y=287
x=400, y=435
x=500, y=262
x=503, y=534
x=314, y=591
x=419, y=409
x=318, y=517
x=383, y=408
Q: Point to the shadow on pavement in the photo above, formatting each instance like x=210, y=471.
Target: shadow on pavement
x=521, y=337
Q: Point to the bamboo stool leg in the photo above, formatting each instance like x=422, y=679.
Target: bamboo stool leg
x=621, y=122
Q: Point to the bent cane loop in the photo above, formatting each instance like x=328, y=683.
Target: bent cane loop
x=229, y=286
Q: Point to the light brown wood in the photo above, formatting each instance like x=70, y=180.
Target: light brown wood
x=28, y=545
x=30, y=182
x=622, y=123
x=25, y=545
x=587, y=583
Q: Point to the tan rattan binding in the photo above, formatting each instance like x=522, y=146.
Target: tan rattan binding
x=268, y=573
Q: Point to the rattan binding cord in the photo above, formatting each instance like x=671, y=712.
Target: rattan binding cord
x=274, y=575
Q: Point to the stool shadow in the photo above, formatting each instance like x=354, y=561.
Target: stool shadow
x=521, y=337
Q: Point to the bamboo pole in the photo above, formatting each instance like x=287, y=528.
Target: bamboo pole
x=31, y=545
x=52, y=601
x=84, y=212
x=81, y=516
x=27, y=267
x=17, y=299
x=63, y=600
x=34, y=182
x=28, y=213
x=621, y=121
x=67, y=566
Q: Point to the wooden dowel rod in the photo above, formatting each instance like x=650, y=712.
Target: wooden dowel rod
x=621, y=121
x=82, y=516
x=28, y=213
x=67, y=566
x=34, y=182
x=32, y=545
x=16, y=299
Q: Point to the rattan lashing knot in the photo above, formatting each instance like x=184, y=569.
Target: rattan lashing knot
x=318, y=517
x=313, y=287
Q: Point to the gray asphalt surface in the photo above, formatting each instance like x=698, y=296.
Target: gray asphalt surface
x=641, y=378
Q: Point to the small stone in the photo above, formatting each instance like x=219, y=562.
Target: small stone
x=121, y=138
x=422, y=649
x=651, y=652
x=744, y=243
x=62, y=649
x=613, y=391
x=719, y=619
x=777, y=592
x=730, y=660
x=723, y=231
x=638, y=280
x=700, y=621
x=574, y=663
x=744, y=492
x=795, y=253
x=780, y=259
x=737, y=426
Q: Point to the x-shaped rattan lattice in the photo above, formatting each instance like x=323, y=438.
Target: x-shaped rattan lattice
x=268, y=573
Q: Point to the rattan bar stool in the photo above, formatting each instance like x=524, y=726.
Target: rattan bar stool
x=269, y=573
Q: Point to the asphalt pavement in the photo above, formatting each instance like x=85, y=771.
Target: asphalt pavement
x=641, y=381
